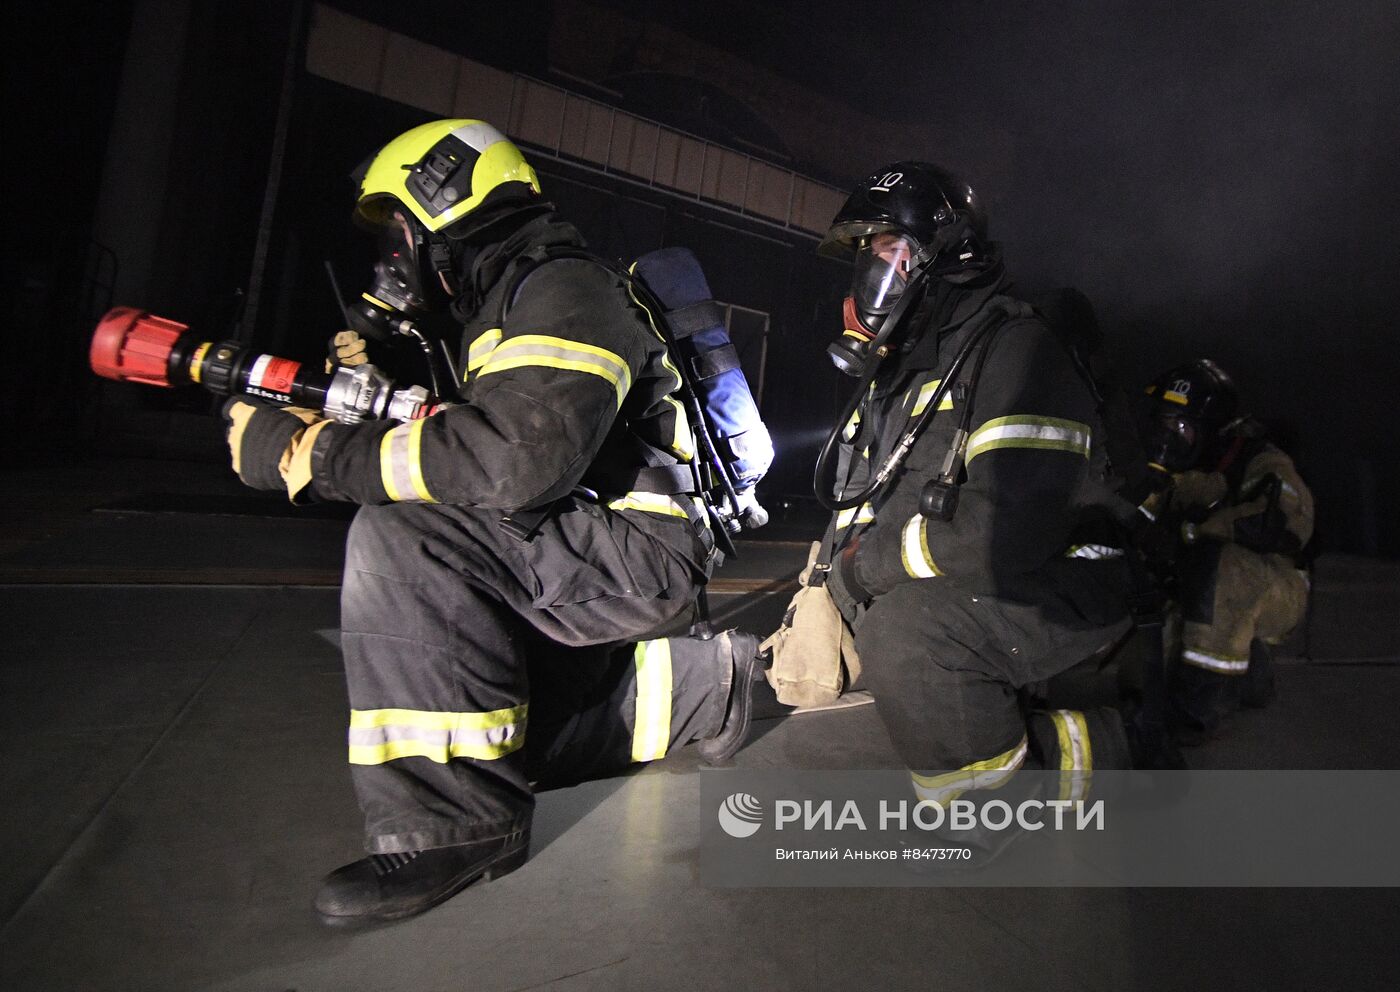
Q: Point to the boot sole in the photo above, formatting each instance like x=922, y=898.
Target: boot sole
x=508, y=861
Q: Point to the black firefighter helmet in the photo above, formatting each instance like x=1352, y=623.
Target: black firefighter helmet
x=903, y=223
x=1190, y=406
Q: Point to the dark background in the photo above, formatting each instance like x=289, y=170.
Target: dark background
x=1219, y=178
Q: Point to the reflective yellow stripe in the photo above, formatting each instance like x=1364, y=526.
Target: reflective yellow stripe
x=1081, y=733
x=1172, y=396
x=926, y=392
x=862, y=514
x=918, y=561
x=651, y=320
x=682, y=441
x=651, y=731
x=992, y=773
x=1043, y=433
x=650, y=503
x=401, y=464
x=542, y=350
x=1076, y=756
x=377, y=736
x=848, y=433
x=479, y=351
x=1073, y=734
x=437, y=719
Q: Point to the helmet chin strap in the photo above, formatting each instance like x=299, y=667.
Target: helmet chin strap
x=440, y=260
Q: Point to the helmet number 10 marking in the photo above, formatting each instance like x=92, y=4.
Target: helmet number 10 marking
x=889, y=181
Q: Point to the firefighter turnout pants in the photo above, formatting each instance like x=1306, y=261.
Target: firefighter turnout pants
x=1232, y=599
x=478, y=663
x=945, y=666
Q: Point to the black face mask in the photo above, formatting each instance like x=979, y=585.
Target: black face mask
x=406, y=282
x=1174, y=443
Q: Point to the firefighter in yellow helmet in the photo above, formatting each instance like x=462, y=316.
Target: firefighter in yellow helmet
x=1240, y=515
x=518, y=551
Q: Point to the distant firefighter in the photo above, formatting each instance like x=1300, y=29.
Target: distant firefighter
x=1240, y=515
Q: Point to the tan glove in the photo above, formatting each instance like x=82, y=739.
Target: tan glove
x=350, y=349
x=271, y=446
x=1195, y=488
x=810, y=647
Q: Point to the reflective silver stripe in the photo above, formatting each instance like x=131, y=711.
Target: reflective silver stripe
x=479, y=351
x=1215, y=663
x=542, y=350
x=918, y=562
x=1076, y=762
x=1043, y=433
x=1093, y=551
x=478, y=135
x=401, y=464
x=651, y=729
x=1077, y=732
x=378, y=736
x=990, y=774
x=926, y=392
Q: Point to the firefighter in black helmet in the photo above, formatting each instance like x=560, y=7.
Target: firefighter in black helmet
x=971, y=565
x=1240, y=515
x=517, y=552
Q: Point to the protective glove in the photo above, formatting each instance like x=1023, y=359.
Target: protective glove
x=347, y=348
x=271, y=446
x=1199, y=492
x=1259, y=524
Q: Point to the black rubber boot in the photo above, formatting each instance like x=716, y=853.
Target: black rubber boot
x=1201, y=704
x=744, y=671
x=386, y=887
x=1258, y=687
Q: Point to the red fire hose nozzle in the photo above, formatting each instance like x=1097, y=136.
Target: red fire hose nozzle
x=133, y=345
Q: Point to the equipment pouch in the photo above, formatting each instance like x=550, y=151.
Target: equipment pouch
x=814, y=655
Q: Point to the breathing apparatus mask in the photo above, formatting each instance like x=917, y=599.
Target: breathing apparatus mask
x=888, y=268
x=412, y=276
x=1174, y=443
x=1191, y=409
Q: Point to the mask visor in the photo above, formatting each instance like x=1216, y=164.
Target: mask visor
x=883, y=269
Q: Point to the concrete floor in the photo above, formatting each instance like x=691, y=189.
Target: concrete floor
x=173, y=725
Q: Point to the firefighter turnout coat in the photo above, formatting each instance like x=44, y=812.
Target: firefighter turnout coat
x=516, y=558
x=952, y=618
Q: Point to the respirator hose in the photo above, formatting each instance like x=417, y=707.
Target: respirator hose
x=906, y=443
x=877, y=346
